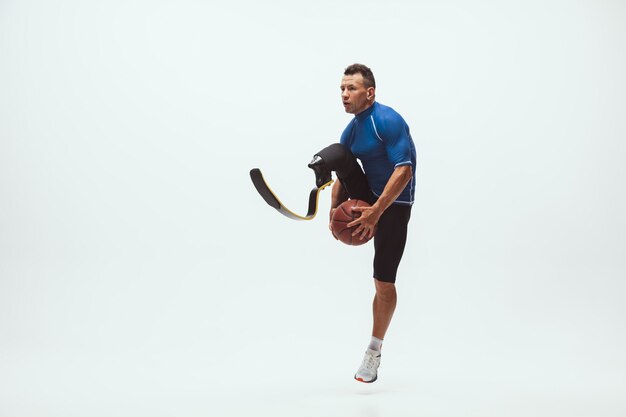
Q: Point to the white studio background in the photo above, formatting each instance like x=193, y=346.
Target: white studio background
x=141, y=274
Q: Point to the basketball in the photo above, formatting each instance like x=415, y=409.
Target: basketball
x=344, y=215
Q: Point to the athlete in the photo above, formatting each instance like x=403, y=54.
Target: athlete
x=380, y=138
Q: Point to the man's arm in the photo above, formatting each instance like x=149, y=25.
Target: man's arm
x=370, y=215
x=394, y=187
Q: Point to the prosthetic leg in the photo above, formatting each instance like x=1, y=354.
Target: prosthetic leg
x=271, y=199
x=338, y=158
x=335, y=157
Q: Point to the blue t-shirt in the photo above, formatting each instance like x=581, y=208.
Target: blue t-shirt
x=380, y=138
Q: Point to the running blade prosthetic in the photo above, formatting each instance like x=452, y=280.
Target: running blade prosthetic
x=271, y=199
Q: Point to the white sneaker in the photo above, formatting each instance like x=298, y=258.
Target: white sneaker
x=368, y=372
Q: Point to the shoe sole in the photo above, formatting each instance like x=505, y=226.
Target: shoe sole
x=364, y=381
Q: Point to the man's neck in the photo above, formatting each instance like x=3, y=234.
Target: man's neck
x=364, y=110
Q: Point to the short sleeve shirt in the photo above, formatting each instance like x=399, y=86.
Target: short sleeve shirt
x=380, y=138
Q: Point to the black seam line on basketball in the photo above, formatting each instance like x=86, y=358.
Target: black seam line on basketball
x=340, y=220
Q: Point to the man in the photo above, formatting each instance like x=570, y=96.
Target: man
x=380, y=138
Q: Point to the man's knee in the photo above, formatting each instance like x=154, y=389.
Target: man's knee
x=385, y=290
x=337, y=158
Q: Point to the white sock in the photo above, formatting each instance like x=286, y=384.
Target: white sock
x=376, y=344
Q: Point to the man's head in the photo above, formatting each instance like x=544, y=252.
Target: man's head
x=358, y=88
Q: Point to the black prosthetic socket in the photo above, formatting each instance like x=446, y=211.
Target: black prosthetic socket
x=338, y=158
x=322, y=173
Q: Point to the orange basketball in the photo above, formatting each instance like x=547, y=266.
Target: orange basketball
x=344, y=215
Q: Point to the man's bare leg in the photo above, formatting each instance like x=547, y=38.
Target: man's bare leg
x=384, y=305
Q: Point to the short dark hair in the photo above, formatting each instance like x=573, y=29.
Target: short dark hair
x=366, y=72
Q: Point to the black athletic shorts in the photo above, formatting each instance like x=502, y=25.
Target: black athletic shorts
x=390, y=238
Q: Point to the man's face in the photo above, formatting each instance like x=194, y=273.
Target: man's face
x=354, y=95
